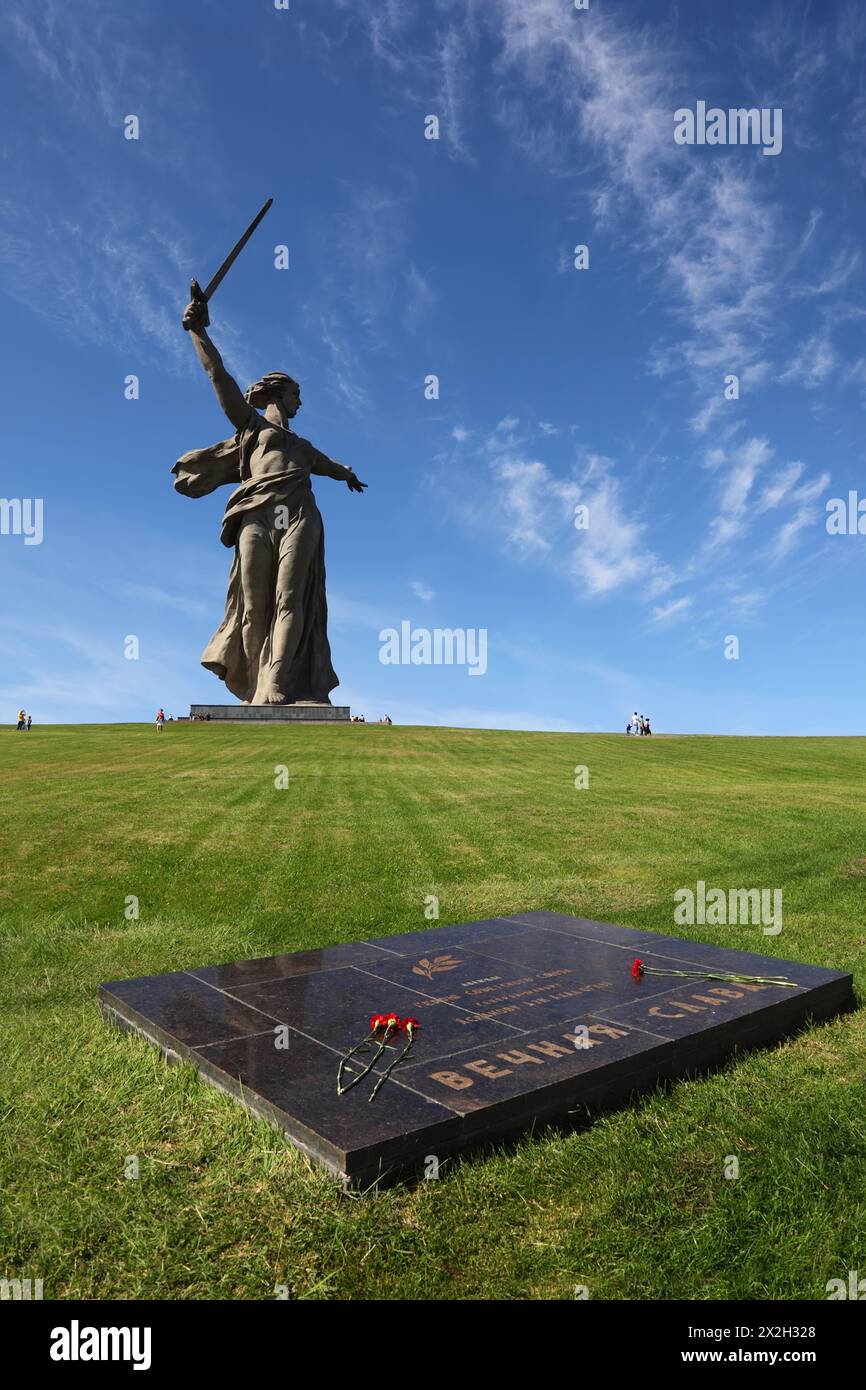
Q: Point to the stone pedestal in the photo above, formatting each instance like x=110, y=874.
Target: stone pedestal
x=273, y=714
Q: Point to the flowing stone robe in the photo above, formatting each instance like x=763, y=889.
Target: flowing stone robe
x=297, y=560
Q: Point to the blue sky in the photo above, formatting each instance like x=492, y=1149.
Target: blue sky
x=409, y=257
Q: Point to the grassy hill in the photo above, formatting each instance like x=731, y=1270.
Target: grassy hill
x=226, y=866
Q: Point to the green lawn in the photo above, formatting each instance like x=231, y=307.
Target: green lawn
x=225, y=866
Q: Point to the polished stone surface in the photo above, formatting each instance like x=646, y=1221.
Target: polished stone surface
x=334, y=1006
x=297, y=1090
x=516, y=980
x=524, y=1019
x=186, y=1009
x=251, y=972
x=435, y=938
x=524, y=1065
x=699, y=1006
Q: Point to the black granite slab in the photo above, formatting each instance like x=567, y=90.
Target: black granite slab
x=295, y=1087
x=524, y=1019
x=416, y=943
x=582, y=926
x=516, y=980
x=522, y=1067
x=334, y=1007
x=186, y=1009
x=250, y=972
x=699, y=1006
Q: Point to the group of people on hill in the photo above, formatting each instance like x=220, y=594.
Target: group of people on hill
x=24, y=720
x=361, y=719
x=193, y=719
x=638, y=724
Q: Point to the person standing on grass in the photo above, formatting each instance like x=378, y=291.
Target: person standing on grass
x=21, y=718
x=160, y=720
x=29, y=722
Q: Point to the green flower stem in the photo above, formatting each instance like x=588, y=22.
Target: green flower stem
x=723, y=975
x=396, y=1062
x=357, y=1049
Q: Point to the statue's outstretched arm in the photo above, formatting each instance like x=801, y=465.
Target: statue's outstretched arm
x=330, y=468
x=228, y=393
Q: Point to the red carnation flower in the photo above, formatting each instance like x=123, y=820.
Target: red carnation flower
x=637, y=969
x=383, y=1027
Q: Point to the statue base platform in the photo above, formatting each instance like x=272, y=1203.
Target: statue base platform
x=307, y=713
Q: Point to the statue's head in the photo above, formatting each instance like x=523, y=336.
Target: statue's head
x=275, y=386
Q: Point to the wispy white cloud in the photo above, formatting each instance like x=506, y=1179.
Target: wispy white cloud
x=387, y=24
x=806, y=517
x=744, y=464
x=811, y=364
x=165, y=598
x=838, y=273
x=115, y=274
x=600, y=98
x=454, y=94
x=420, y=296
x=530, y=510
x=780, y=486
x=785, y=538
x=344, y=374
x=671, y=612
x=363, y=283
x=348, y=612
x=89, y=675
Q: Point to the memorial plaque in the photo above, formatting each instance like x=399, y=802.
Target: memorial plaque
x=523, y=1019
